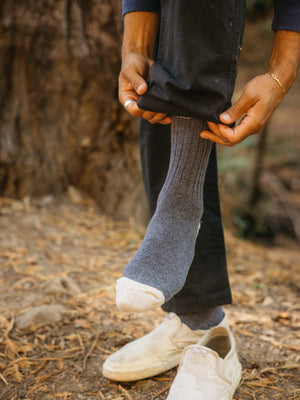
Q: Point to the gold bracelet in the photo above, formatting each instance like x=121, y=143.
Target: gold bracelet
x=276, y=79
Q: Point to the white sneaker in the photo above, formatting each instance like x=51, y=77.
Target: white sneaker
x=154, y=353
x=209, y=370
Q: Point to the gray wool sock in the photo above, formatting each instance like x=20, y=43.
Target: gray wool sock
x=167, y=251
x=202, y=319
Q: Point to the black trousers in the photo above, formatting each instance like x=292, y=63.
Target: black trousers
x=207, y=282
x=196, y=61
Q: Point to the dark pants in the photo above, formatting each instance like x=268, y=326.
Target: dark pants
x=207, y=281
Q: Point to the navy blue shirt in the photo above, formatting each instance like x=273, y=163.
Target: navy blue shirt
x=286, y=12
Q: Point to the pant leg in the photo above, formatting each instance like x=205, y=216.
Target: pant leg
x=207, y=282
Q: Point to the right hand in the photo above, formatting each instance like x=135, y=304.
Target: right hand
x=132, y=84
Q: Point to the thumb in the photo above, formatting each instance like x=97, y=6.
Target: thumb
x=237, y=110
x=138, y=83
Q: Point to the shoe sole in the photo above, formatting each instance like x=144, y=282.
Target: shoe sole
x=128, y=376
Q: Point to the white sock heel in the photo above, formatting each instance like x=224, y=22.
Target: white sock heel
x=132, y=296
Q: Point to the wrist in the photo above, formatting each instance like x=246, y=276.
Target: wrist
x=140, y=31
x=284, y=75
x=278, y=82
x=285, y=58
x=134, y=48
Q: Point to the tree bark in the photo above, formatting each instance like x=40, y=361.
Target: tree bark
x=60, y=120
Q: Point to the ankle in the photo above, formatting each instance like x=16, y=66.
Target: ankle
x=203, y=319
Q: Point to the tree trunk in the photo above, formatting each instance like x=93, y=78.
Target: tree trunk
x=60, y=120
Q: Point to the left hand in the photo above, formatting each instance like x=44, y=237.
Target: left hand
x=259, y=99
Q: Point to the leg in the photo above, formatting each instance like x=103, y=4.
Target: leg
x=156, y=346
x=207, y=281
x=159, y=268
x=155, y=151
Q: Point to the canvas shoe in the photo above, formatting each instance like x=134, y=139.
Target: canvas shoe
x=154, y=353
x=209, y=370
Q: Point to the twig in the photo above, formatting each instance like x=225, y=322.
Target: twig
x=257, y=384
x=124, y=391
x=10, y=326
x=274, y=370
x=81, y=343
x=4, y=380
x=289, y=366
x=46, y=377
x=103, y=350
x=248, y=393
x=101, y=394
x=163, y=379
x=91, y=350
x=41, y=366
x=161, y=392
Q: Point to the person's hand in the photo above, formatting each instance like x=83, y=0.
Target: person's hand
x=256, y=104
x=132, y=84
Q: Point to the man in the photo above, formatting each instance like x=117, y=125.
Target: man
x=195, y=309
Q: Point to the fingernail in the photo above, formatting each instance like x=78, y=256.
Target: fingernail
x=203, y=136
x=141, y=88
x=225, y=117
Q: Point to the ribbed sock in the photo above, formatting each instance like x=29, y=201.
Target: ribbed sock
x=203, y=319
x=159, y=268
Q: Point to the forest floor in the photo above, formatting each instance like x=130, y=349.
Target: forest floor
x=63, y=252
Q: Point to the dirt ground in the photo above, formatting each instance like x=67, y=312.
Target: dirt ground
x=67, y=237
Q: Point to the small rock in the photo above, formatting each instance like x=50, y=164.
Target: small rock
x=86, y=141
x=59, y=286
x=46, y=200
x=267, y=301
x=145, y=384
x=74, y=195
x=39, y=316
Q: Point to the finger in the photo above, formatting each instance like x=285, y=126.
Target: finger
x=238, y=109
x=126, y=92
x=157, y=118
x=148, y=115
x=215, y=128
x=212, y=126
x=248, y=126
x=214, y=138
x=166, y=121
x=128, y=102
x=132, y=108
x=138, y=83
